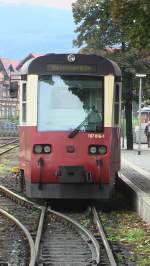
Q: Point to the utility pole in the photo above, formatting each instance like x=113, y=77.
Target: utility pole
x=140, y=101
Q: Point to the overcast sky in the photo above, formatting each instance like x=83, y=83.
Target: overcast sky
x=65, y=4
x=31, y=26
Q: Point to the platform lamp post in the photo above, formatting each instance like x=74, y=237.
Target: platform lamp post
x=140, y=76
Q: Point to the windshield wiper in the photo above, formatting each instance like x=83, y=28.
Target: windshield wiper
x=92, y=112
x=73, y=133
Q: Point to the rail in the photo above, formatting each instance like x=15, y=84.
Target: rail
x=8, y=149
x=103, y=236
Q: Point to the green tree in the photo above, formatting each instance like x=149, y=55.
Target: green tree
x=95, y=26
x=133, y=18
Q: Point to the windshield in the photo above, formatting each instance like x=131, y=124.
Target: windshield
x=65, y=102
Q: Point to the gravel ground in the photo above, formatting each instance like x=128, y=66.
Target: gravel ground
x=12, y=249
x=29, y=217
x=7, y=177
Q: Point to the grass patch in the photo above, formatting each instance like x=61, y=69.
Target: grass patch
x=4, y=168
x=129, y=232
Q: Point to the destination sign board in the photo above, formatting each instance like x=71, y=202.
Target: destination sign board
x=65, y=68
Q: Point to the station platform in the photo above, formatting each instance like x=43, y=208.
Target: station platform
x=135, y=172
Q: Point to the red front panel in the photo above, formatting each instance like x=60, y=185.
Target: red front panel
x=60, y=157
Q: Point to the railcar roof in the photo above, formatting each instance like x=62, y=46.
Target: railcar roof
x=103, y=65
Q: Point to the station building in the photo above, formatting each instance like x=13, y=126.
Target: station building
x=8, y=106
x=10, y=70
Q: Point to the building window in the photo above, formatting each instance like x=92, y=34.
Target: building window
x=24, y=96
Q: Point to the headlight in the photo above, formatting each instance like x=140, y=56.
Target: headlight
x=97, y=149
x=102, y=149
x=92, y=149
x=42, y=148
x=47, y=148
x=38, y=148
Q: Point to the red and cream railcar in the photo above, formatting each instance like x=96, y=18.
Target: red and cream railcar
x=69, y=126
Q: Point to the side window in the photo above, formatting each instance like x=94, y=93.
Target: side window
x=117, y=104
x=24, y=98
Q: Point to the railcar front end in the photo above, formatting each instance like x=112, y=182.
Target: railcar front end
x=69, y=127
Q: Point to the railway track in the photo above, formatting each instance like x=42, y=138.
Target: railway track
x=53, y=238
x=61, y=246
x=8, y=146
x=90, y=219
x=6, y=139
x=106, y=257
x=25, y=217
x=11, y=251
x=66, y=242
x=59, y=240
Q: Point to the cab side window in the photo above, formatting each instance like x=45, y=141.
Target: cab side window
x=117, y=104
x=24, y=99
